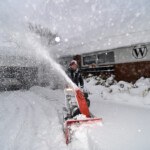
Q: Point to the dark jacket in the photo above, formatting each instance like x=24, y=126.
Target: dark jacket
x=75, y=76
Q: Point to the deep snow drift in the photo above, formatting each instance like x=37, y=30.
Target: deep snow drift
x=32, y=119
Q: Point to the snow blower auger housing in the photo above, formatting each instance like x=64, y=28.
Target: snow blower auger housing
x=75, y=99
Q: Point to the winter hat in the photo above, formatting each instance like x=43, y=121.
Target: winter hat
x=73, y=62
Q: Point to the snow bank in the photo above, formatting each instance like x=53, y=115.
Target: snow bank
x=121, y=92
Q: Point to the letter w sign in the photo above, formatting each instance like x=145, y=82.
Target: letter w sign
x=139, y=52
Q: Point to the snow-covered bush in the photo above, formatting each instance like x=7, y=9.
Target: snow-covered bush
x=135, y=94
x=110, y=81
x=100, y=81
x=141, y=86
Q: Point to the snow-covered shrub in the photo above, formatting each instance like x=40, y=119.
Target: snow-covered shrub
x=125, y=86
x=111, y=86
x=108, y=82
x=90, y=75
x=100, y=81
x=143, y=84
x=138, y=93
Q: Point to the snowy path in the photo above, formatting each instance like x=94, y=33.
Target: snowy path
x=29, y=120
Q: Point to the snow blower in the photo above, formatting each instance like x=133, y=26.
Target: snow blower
x=75, y=105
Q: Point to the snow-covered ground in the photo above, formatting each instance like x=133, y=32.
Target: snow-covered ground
x=31, y=120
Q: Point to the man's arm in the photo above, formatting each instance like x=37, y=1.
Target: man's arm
x=68, y=72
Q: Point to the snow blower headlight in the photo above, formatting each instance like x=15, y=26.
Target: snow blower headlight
x=69, y=89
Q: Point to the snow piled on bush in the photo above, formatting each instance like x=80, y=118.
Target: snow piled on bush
x=109, y=89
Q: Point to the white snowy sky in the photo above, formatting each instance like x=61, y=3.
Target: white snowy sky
x=94, y=24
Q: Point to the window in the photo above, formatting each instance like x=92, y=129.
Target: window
x=89, y=60
x=106, y=57
x=101, y=58
x=110, y=57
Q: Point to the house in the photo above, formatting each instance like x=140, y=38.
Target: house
x=126, y=63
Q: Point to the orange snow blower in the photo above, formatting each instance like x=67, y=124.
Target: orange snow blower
x=76, y=99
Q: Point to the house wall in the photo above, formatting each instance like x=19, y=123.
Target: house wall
x=130, y=63
x=128, y=54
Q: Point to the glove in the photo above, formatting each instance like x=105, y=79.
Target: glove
x=82, y=88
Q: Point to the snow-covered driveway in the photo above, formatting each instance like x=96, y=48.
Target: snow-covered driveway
x=30, y=120
x=125, y=127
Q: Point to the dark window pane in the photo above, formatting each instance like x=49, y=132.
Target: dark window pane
x=89, y=60
x=106, y=58
x=101, y=58
x=109, y=57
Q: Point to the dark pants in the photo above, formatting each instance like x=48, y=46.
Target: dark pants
x=86, y=98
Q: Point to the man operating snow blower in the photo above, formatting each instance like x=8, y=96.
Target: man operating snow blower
x=75, y=75
x=76, y=110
